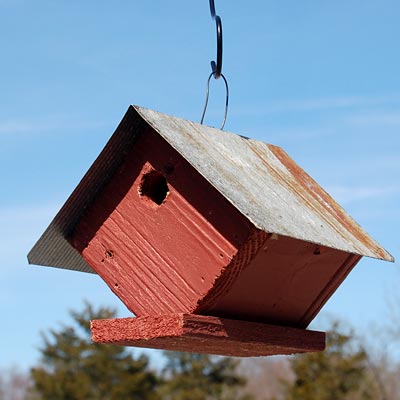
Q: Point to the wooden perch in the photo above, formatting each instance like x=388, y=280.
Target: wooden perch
x=205, y=334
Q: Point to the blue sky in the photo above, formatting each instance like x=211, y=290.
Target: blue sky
x=319, y=78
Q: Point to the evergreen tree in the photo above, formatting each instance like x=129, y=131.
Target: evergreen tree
x=191, y=376
x=74, y=368
x=340, y=372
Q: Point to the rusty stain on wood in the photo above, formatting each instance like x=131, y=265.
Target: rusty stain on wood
x=260, y=180
x=179, y=246
x=205, y=334
x=181, y=219
x=265, y=185
x=313, y=195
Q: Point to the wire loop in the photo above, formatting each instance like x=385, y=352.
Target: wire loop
x=207, y=96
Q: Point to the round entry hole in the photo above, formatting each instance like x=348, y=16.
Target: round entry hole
x=154, y=187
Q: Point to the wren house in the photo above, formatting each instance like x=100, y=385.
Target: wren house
x=216, y=242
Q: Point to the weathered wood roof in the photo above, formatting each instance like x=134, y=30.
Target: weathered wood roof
x=259, y=179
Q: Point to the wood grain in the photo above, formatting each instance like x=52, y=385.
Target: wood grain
x=205, y=334
x=194, y=252
x=164, y=258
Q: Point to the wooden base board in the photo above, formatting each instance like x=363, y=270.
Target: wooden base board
x=205, y=334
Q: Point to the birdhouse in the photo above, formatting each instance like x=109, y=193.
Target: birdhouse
x=216, y=242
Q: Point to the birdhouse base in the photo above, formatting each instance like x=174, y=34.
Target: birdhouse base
x=205, y=334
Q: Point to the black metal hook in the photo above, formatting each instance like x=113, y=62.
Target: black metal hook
x=216, y=67
x=212, y=8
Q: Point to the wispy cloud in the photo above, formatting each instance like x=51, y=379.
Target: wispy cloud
x=15, y=127
x=26, y=214
x=320, y=104
x=351, y=194
x=45, y=125
x=382, y=118
x=20, y=227
x=328, y=103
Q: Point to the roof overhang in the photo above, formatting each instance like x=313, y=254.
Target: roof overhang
x=259, y=179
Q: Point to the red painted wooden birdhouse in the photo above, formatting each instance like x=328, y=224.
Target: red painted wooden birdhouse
x=197, y=230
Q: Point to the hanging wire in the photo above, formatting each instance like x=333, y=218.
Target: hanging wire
x=207, y=96
x=216, y=66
